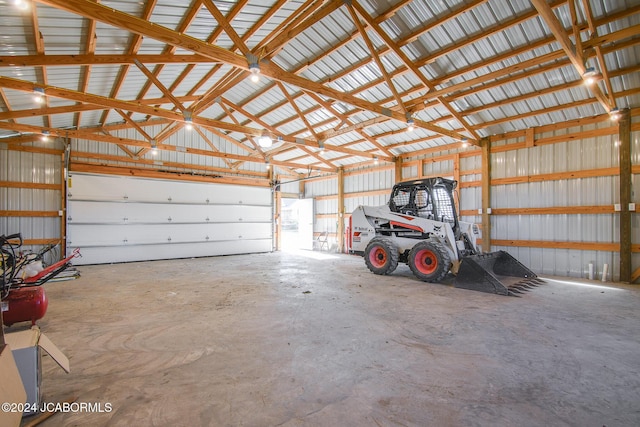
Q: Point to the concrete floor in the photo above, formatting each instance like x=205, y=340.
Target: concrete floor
x=311, y=339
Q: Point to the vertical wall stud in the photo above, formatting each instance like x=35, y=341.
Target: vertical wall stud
x=398, y=169
x=340, y=231
x=624, y=135
x=486, y=194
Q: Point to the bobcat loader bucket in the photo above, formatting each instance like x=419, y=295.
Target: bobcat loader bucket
x=495, y=273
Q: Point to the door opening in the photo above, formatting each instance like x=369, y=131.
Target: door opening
x=297, y=224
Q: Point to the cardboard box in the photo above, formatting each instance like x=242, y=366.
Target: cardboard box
x=27, y=347
x=11, y=389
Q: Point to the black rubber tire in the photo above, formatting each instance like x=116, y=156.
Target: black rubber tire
x=429, y=261
x=381, y=256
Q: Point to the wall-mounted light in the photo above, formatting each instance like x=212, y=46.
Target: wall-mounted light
x=411, y=125
x=188, y=120
x=614, y=114
x=45, y=136
x=265, y=140
x=38, y=95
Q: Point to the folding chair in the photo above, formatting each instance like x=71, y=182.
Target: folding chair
x=322, y=241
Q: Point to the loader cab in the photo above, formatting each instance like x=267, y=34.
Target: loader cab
x=430, y=198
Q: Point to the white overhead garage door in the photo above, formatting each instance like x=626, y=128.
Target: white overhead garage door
x=121, y=219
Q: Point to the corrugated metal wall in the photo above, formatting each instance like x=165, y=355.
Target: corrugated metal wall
x=577, y=155
x=596, y=154
x=33, y=212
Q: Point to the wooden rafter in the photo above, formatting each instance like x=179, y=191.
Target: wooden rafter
x=376, y=57
x=352, y=127
x=599, y=54
x=90, y=48
x=309, y=127
x=166, y=92
x=212, y=145
x=576, y=57
x=98, y=59
x=250, y=138
x=440, y=91
x=133, y=49
x=409, y=64
x=141, y=26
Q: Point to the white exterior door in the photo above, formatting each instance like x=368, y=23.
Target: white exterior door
x=305, y=223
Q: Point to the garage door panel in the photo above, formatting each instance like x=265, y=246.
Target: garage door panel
x=102, y=255
x=197, y=213
x=107, y=234
x=81, y=212
x=115, y=188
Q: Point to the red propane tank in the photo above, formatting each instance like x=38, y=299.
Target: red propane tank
x=24, y=304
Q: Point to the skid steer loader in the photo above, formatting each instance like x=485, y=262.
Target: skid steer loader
x=419, y=226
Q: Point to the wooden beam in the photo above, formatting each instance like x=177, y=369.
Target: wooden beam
x=624, y=154
x=576, y=57
x=151, y=76
x=529, y=137
x=416, y=71
x=582, y=246
x=30, y=185
x=486, y=194
x=315, y=12
x=140, y=162
x=155, y=111
x=372, y=49
x=278, y=218
x=398, y=170
x=340, y=228
x=29, y=214
x=63, y=201
x=143, y=27
x=98, y=59
x=226, y=26
x=161, y=174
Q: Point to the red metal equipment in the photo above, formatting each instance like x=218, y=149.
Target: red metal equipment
x=24, y=298
x=25, y=304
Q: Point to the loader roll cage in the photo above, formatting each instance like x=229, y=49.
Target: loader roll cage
x=430, y=198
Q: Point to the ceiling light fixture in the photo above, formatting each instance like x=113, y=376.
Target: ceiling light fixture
x=21, y=4
x=267, y=162
x=265, y=140
x=614, y=114
x=411, y=126
x=589, y=76
x=375, y=160
x=38, y=95
x=465, y=142
x=188, y=120
x=254, y=68
x=45, y=136
x=321, y=145
x=154, y=149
